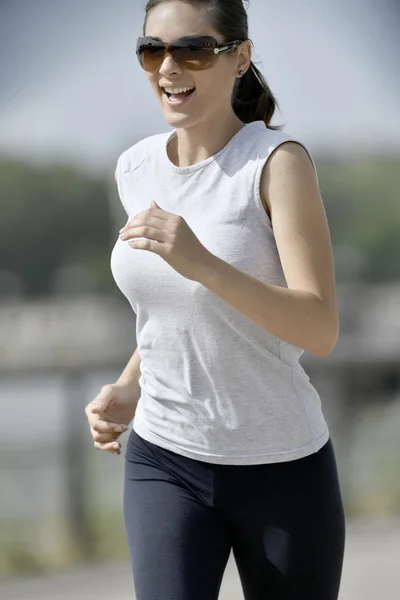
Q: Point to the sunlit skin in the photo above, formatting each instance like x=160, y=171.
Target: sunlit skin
x=207, y=122
x=305, y=313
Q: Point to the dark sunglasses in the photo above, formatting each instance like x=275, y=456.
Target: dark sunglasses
x=192, y=53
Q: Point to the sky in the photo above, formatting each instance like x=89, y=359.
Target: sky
x=71, y=86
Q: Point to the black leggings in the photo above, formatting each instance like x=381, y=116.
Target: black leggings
x=284, y=522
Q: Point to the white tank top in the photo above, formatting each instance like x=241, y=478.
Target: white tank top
x=215, y=386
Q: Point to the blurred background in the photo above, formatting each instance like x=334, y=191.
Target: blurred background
x=72, y=98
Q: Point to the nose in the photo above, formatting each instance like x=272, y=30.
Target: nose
x=169, y=66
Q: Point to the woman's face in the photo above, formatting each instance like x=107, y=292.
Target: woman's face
x=169, y=22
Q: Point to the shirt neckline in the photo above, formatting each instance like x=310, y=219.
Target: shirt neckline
x=189, y=169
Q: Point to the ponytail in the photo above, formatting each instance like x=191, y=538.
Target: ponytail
x=253, y=100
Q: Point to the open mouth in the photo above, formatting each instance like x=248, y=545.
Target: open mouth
x=178, y=95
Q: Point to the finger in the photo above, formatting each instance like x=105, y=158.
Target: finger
x=104, y=426
x=152, y=212
x=104, y=438
x=155, y=217
x=145, y=231
x=113, y=447
x=110, y=445
x=132, y=222
x=151, y=246
x=158, y=212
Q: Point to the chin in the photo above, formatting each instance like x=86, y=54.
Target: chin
x=178, y=121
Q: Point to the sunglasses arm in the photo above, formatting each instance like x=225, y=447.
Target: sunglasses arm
x=230, y=46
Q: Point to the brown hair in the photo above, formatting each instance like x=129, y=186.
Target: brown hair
x=252, y=98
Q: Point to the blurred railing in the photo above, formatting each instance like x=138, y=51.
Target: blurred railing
x=70, y=342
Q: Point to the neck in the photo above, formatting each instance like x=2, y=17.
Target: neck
x=203, y=140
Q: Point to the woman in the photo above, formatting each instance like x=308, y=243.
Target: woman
x=227, y=263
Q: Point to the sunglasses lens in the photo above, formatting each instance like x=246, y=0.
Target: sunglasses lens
x=151, y=57
x=195, y=58
x=192, y=54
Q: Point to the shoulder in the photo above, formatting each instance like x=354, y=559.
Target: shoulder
x=266, y=146
x=289, y=186
x=289, y=161
x=274, y=154
x=291, y=153
x=261, y=141
x=279, y=145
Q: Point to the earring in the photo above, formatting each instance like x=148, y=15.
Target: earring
x=241, y=73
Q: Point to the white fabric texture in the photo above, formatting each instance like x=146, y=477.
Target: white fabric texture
x=215, y=386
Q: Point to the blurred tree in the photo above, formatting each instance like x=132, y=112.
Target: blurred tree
x=60, y=217
x=53, y=217
x=362, y=202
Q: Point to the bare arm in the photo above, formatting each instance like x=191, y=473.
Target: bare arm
x=304, y=314
x=131, y=374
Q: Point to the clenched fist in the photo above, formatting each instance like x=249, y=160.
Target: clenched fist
x=109, y=415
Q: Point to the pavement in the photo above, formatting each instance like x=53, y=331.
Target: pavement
x=371, y=570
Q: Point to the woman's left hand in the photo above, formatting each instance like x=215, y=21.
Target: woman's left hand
x=169, y=236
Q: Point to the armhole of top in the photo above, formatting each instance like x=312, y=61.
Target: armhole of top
x=260, y=169
x=118, y=178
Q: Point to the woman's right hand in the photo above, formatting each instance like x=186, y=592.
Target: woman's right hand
x=109, y=415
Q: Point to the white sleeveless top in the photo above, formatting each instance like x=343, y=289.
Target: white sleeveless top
x=215, y=386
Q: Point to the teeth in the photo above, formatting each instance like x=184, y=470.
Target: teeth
x=178, y=90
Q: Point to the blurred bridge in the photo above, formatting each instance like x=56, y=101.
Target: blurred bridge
x=370, y=571
x=87, y=334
